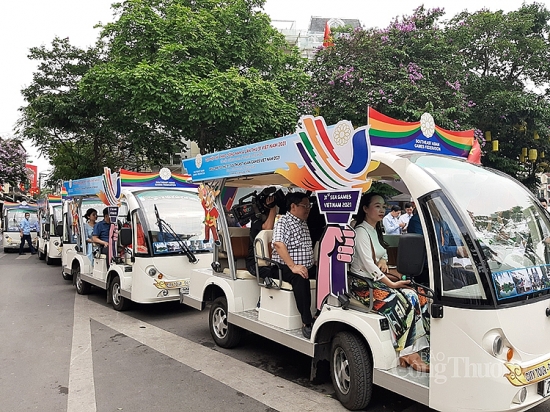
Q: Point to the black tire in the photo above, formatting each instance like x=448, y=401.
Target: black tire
x=224, y=334
x=351, y=371
x=49, y=260
x=82, y=287
x=41, y=255
x=65, y=276
x=120, y=303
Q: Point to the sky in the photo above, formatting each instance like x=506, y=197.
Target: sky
x=32, y=23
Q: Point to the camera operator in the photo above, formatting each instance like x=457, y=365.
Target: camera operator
x=262, y=221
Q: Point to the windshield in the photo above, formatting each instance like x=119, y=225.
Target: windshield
x=510, y=226
x=15, y=216
x=182, y=211
x=57, y=213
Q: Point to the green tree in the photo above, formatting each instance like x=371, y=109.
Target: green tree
x=402, y=71
x=215, y=73
x=73, y=131
x=507, y=56
x=12, y=162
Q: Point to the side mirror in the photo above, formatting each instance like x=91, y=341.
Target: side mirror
x=125, y=236
x=59, y=230
x=411, y=254
x=46, y=227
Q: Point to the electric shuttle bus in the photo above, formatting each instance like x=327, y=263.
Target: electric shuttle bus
x=50, y=211
x=12, y=215
x=488, y=338
x=155, y=237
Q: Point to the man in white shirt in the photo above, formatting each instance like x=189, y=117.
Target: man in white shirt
x=405, y=217
x=391, y=223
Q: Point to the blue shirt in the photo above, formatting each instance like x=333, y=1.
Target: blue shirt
x=101, y=230
x=25, y=226
x=391, y=225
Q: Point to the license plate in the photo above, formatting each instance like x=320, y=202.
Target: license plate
x=175, y=284
x=544, y=388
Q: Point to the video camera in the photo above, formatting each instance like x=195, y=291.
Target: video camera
x=254, y=204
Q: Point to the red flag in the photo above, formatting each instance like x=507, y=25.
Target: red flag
x=327, y=38
x=475, y=153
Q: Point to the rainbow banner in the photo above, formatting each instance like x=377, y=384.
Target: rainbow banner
x=421, y=136
x=164, y=178
x=54, y=199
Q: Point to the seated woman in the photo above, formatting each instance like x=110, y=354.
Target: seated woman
x=91, y=217
x=404, y=309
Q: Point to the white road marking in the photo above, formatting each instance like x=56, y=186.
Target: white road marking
x=81, y=371
x=280, y=394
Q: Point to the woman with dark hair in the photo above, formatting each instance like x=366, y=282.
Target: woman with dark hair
x=405, y=310
x=91, y=217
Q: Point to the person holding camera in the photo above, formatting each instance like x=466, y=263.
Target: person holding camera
x=259, y=222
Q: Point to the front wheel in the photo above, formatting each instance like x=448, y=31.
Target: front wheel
x=351, y=370
x=119, y=303
x=65, y=275
x=82, y=287
x=49, y=260
x=224, y=334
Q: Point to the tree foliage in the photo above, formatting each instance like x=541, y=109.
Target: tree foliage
x=77, y=135
x=484, y=70
x=12, y=162
x=216, y=73
x=508, y=58
x=400, y=71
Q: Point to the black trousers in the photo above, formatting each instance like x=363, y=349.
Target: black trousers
x=300, y=288
x=265, y=271
x=29, y=241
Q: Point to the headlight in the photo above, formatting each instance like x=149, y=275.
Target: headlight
x=497, y=345
x=152, y=271
x=520, y=396
x=493, y=342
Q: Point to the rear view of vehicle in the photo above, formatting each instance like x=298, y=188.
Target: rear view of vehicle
x=13, y=214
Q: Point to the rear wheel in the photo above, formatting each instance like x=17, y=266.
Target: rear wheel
x=82, y=287
x=224, y=334
x=41, y=255
x=119, y=302
x=351, y=370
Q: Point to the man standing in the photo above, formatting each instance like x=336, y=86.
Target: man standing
x=100, y=234
x=25, y=227
x=391, y=223
x=292, y=248
x=405, y=217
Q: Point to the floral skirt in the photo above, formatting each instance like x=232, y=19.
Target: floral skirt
x=406, y=311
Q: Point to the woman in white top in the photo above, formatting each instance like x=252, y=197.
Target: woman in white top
x=405, y=310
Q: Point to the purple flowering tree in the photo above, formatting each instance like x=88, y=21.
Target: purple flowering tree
x=402, y=71
x=12, y=162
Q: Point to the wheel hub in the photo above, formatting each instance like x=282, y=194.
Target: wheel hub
x=341, y=371
x=219, y=322
x=116, y=293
